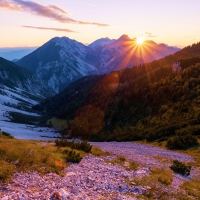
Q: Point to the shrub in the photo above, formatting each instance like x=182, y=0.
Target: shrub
x=7, y=134
x=72, y=156
x=180, y=168
x=182, y=142
x=193, y=130
x=83, y=146
x=134, y=165
x=121, y=158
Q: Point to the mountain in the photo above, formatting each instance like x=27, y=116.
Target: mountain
x=15, y=53
x=14, y=76
x=154, y=51
x=148, y=102
x=101, y=42
x=113, y=56
x=60, y=61
x=125, y=53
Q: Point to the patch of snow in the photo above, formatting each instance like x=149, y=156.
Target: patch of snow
x=28, y=132
x=20, y=131
x=5, y=109
x=54, y=83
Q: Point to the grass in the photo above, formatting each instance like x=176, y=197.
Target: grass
x=118, y=160
x=41, y=156
x=192, y=188
x=164, y=176
x=157, y=179
x=27, y=156
x=97, y=151
x=6, y=170
x=134, y=165
x=58, y=123
x=124, y=162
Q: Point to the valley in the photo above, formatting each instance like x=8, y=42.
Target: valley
x=92, y=93
x=17, y=117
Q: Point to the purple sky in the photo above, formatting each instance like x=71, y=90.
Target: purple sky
x=32, y=23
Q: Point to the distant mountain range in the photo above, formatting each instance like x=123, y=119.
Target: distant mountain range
x=15, y=53
x=61, y=61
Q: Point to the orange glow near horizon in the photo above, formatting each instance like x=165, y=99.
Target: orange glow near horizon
x=140, y=40
x=138, y=53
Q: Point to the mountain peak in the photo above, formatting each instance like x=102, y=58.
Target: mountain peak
x=124, y=37
x=101, y=42
x=59, y=39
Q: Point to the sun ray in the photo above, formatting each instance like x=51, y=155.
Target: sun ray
x=140, y=40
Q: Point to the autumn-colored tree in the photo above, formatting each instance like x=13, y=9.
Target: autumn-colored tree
x=88, y=121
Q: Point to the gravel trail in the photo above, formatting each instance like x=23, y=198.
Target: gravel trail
x=141, y=153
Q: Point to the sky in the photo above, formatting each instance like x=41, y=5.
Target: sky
x=32, y=23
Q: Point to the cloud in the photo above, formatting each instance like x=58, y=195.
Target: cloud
x=51, y=11
x=58, y=9
x=53, y=29
x=146, y=35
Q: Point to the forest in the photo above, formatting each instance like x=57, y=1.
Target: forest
x=143, y=102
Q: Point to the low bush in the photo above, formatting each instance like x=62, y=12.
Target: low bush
x=72, y=156
x=180, y=168
x=193, y=130
x=7, y=134
x=83, y=146
x=182, y=142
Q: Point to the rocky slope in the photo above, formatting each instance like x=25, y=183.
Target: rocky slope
x=14, y=76
x=97, y=178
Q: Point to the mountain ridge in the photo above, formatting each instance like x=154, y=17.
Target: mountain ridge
x=60, y=61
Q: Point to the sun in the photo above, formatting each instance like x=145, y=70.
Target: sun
x=140, y=40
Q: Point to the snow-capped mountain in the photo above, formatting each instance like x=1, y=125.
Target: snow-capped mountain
x=125, y=52
x=14, y=76
x=60, y=61
x=115, y=56
x=101, y=42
